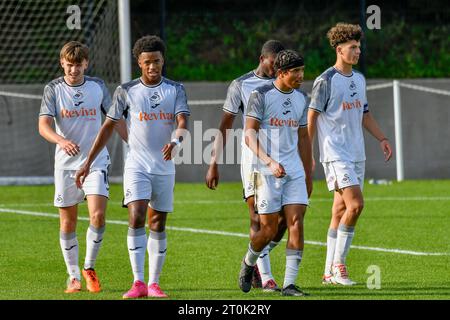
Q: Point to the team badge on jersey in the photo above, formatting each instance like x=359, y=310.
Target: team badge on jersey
x=352, y=86
x=155, y=100
x=78, y=95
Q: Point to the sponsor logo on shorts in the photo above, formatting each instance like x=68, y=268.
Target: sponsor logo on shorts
x=330, y=180
x=263, y=204
x=128, y=193
x=346, y=178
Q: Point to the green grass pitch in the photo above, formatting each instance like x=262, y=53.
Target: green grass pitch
x=401, y=226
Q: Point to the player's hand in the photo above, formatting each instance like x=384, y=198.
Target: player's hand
x=167, y=151
x=69, y=147
x=212, y=177
x=277, y=169
x=387, y=149
x=81, y=175
x=313, y=164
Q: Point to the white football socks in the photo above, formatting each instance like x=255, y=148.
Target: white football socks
x=252, y=256
x=331, y=247
x=69, y=248
x=94, y=239
x=137, y=242
x=293, y=259
x=344, y=240
x=263, y=262
x=157, y=249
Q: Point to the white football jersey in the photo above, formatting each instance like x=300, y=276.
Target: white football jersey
x=281, y=115
x=150, y=113
x=77, y=113
x=341, y=101
x=237, y=99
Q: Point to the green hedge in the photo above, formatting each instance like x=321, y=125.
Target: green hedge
x=212, y=51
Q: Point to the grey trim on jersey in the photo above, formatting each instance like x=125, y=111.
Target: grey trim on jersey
x=233, y=102
x=321, y=91
x=49, y=97
x=120, y=95
x=181, y=94
x=256, y=101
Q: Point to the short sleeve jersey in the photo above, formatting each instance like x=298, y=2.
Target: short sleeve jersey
x=341, y=101
x=150, y=113
x=237, y=99
x=77, y=114
x=280, y=115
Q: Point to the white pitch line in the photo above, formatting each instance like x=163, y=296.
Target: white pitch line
x=225, y=233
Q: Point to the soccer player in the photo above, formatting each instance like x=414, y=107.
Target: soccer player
x=276, y=132
x=75, y=102
x=151, y=106
x=338, y=111
x=237, y=98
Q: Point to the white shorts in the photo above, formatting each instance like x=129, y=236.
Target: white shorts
x=66, y=192
x=343, y=174
x=274, y=193
x=158, y=189
x=247, y=180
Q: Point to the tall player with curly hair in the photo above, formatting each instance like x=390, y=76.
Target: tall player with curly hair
x=338, y=111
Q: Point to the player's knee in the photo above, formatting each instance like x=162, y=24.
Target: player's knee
x=136, y=218
x=269, y=231
x=356, y=207
x=157, y=222
x=68, y=226
x=97, y=218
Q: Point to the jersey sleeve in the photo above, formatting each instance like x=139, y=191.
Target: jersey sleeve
x=233, y=101
x=181, y=105
x=119, y=104
x=106, y=101
x=319, y=96
x=304, y=118
x=48, y=104
x=255, y=107
x=365, y=103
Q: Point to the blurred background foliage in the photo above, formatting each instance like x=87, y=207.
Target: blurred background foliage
x=218, y=40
